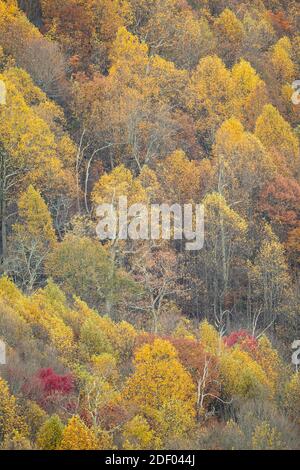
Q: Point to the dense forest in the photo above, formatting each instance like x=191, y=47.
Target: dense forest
x=142, y=344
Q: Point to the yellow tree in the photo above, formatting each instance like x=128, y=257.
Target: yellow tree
x=32, y=239
x=209, y=338
x=243, y=165
x=223, y=249
x=77, y=436
x=230, y=35
x=281, y=61
x=10, y=418
x=25, y=141
x=172, y=30
x=138, y=435
x=28, y=149
x=209, y=97
x=269, y=360
x=242, y=376
x=162, y=390
x=180, y=178
x=278, y=137
x=250, y=93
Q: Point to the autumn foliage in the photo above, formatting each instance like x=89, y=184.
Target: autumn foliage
x=141, y=344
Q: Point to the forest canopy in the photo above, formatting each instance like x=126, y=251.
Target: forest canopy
x=142, y=344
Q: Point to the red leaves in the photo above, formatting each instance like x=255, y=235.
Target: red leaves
x=242, y=338
x=50, y=390
x=52, y=382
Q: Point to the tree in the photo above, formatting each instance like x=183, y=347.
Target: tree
x=242, y=376
x=243, y=166
x=28, y=149
x=278, y=137
x=86, y=29
x=50, y=434
x=225, y=237
x=250, y=93
x=159, y=273
x=270, y=361
x=230, y=34
x=292, y=400
x=259, y=35
x=209, y=97
x=10, y=417
x=161, y=389
x=281, y=61
x=172, y=30
x=77, y=436
x=138, y=435
x=83, y=267
x=266, y=438
x=280, y=204
x=269, y=278
x=203, y=368
x=180, y=178
x=32, y=239
x=293, y=246
x=209, y=338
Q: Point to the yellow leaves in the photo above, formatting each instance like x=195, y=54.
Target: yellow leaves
x=268, y=358
x=209, y=338
x=217, y=209
x=250, y=93
x=292, y=395
x=138, y=435
x=160, y=350
x=149, y=182
x=281, y=61
x=9, y=291
x=269, y=272
x=120, y=182
x=293, y=244
x=36, y=311
x=12, y=20
x=229, y=134
x=25, y=86
x=229, y=27
x=230, y=33
x=242, y=376
x=278, y=137
x=24, y=135
x=181, y=178
x=245, y=77
x=123, y=336
x=209, y=95
x=36, y=219
x=162, y=389
x=105, y=365
x=170, y=82
x=10, y=418
x=94, y=338
x=129, y=58
x=242, y=161
x=77, y=436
